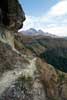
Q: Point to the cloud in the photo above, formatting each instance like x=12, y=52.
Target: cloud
x=54, y=21
x=59, y=9
x=57, y=29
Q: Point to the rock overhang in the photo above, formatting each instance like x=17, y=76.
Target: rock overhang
x=11, y=14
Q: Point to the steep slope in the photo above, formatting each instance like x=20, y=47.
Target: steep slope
x=27, y=77
x=56, y=57
x=54, y=81
x=53, y=50
x=18, y=69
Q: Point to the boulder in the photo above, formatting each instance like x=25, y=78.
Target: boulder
x=11, y=14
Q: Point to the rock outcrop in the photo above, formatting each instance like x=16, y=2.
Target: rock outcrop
x=11, y=14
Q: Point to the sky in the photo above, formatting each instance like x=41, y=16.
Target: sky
x=48, y=15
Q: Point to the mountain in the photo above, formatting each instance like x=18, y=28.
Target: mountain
x=53, y=49
x=47, y=34
x=34, y=32
x=25, y=72
x=32, y=67
x=65, y=37
x=30, y=31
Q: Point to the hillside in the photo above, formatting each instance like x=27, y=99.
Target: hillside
x=27, y=74
x=53, y=50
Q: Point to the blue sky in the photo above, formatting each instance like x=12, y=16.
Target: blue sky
x=48, y=15
x=37, y=7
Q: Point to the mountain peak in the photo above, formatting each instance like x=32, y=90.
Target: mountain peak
x=34, y=32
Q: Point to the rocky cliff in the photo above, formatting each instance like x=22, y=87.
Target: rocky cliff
x=24, y=75
x=11, y=14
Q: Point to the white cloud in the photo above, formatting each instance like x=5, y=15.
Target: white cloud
x=59, y=9
x=55, y=21
x=58, y=30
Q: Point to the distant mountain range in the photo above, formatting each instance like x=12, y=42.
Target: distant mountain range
x=34, y=32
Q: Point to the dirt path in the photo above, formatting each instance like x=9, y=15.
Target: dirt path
x=9, y=77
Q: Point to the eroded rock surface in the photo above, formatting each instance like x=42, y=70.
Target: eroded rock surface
x=11, y=14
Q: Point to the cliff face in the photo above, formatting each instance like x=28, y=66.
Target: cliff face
x=11, y=14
